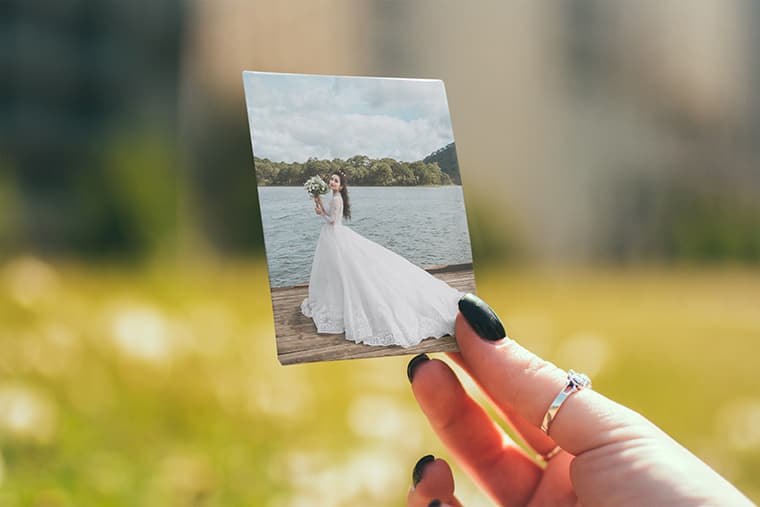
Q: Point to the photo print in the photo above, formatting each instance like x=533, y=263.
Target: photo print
x=365, y=229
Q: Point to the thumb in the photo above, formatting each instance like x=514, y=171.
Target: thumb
x=620, y=455
x=519, y=381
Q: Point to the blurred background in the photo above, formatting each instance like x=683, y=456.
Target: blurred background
x=610, y=162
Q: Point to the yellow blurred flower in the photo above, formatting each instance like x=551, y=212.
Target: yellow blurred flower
x=26, y=414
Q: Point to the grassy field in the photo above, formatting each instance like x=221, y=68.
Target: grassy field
x=160, y=387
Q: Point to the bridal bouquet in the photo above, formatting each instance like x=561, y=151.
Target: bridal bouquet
x=315, y=186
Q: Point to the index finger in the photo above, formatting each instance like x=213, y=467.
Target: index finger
x=517, y=379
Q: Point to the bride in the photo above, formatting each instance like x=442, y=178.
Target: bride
x=368, y=292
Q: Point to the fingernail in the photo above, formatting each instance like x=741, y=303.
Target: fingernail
x=481, y=318
x=419, y=467
x=435, y=503
x=414, y=363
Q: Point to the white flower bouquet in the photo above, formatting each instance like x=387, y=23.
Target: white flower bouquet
x=315, y=186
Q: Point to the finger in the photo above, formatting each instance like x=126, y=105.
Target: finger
x=516, y=379
x=536, y=439
x=432, y=480
x=555, y=487
x=482, y=448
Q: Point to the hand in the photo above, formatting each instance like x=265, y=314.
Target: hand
x=609, y=454
x=319, y=211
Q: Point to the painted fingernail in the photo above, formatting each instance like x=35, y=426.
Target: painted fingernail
x=481, y=318
x=435, y=503
x=420, y=467
x=414, y=363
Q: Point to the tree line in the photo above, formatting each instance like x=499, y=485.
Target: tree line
x=359, y=169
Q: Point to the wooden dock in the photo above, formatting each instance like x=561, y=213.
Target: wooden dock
x=298, y=341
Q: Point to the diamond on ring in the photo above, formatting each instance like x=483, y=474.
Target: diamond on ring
x=580, y=380
x=575, y=382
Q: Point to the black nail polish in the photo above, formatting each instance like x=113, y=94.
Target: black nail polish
x=419, y=467
x=414, y=363
x=435, y=503
x=482, y=318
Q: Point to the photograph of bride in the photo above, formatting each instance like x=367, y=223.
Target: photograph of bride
x=363, y=214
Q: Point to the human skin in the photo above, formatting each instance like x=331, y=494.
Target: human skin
x=611, y=455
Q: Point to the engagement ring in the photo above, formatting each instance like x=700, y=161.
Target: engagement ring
x=575, y=382
x=549, y=455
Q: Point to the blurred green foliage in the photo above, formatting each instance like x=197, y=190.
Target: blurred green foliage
x=712, y=227
x=88, y=127
x=493, y=240
x=678, y=219
x=222, y=201
x=9, y=209
x=131, y=205
x=122, y=387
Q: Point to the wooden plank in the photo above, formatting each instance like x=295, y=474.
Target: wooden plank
x=298, y=341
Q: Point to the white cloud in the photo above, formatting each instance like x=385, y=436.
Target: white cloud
x=295, y=117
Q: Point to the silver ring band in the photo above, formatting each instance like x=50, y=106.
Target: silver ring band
x=575, y=382
x=549, y=455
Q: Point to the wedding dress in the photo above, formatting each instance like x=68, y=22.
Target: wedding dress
x=372, y=294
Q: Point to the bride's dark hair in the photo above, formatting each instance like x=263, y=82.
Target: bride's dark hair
x=344, y=194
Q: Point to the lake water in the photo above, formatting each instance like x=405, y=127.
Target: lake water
x=426, y=225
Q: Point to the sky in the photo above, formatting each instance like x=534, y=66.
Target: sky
x=297, y=116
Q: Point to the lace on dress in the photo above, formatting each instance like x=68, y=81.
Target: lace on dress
x=334, y=212
x=370, y=293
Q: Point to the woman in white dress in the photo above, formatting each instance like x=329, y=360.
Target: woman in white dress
x=368, y=292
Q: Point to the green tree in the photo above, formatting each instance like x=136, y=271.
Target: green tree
x=359, y=161
x=359, y=169
x=315, y=167
x=266, y=172
x=288, y=174
x=423, y=174
x=380, y=174
x=441, y=177
x=403, y=175
x=337, y=164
